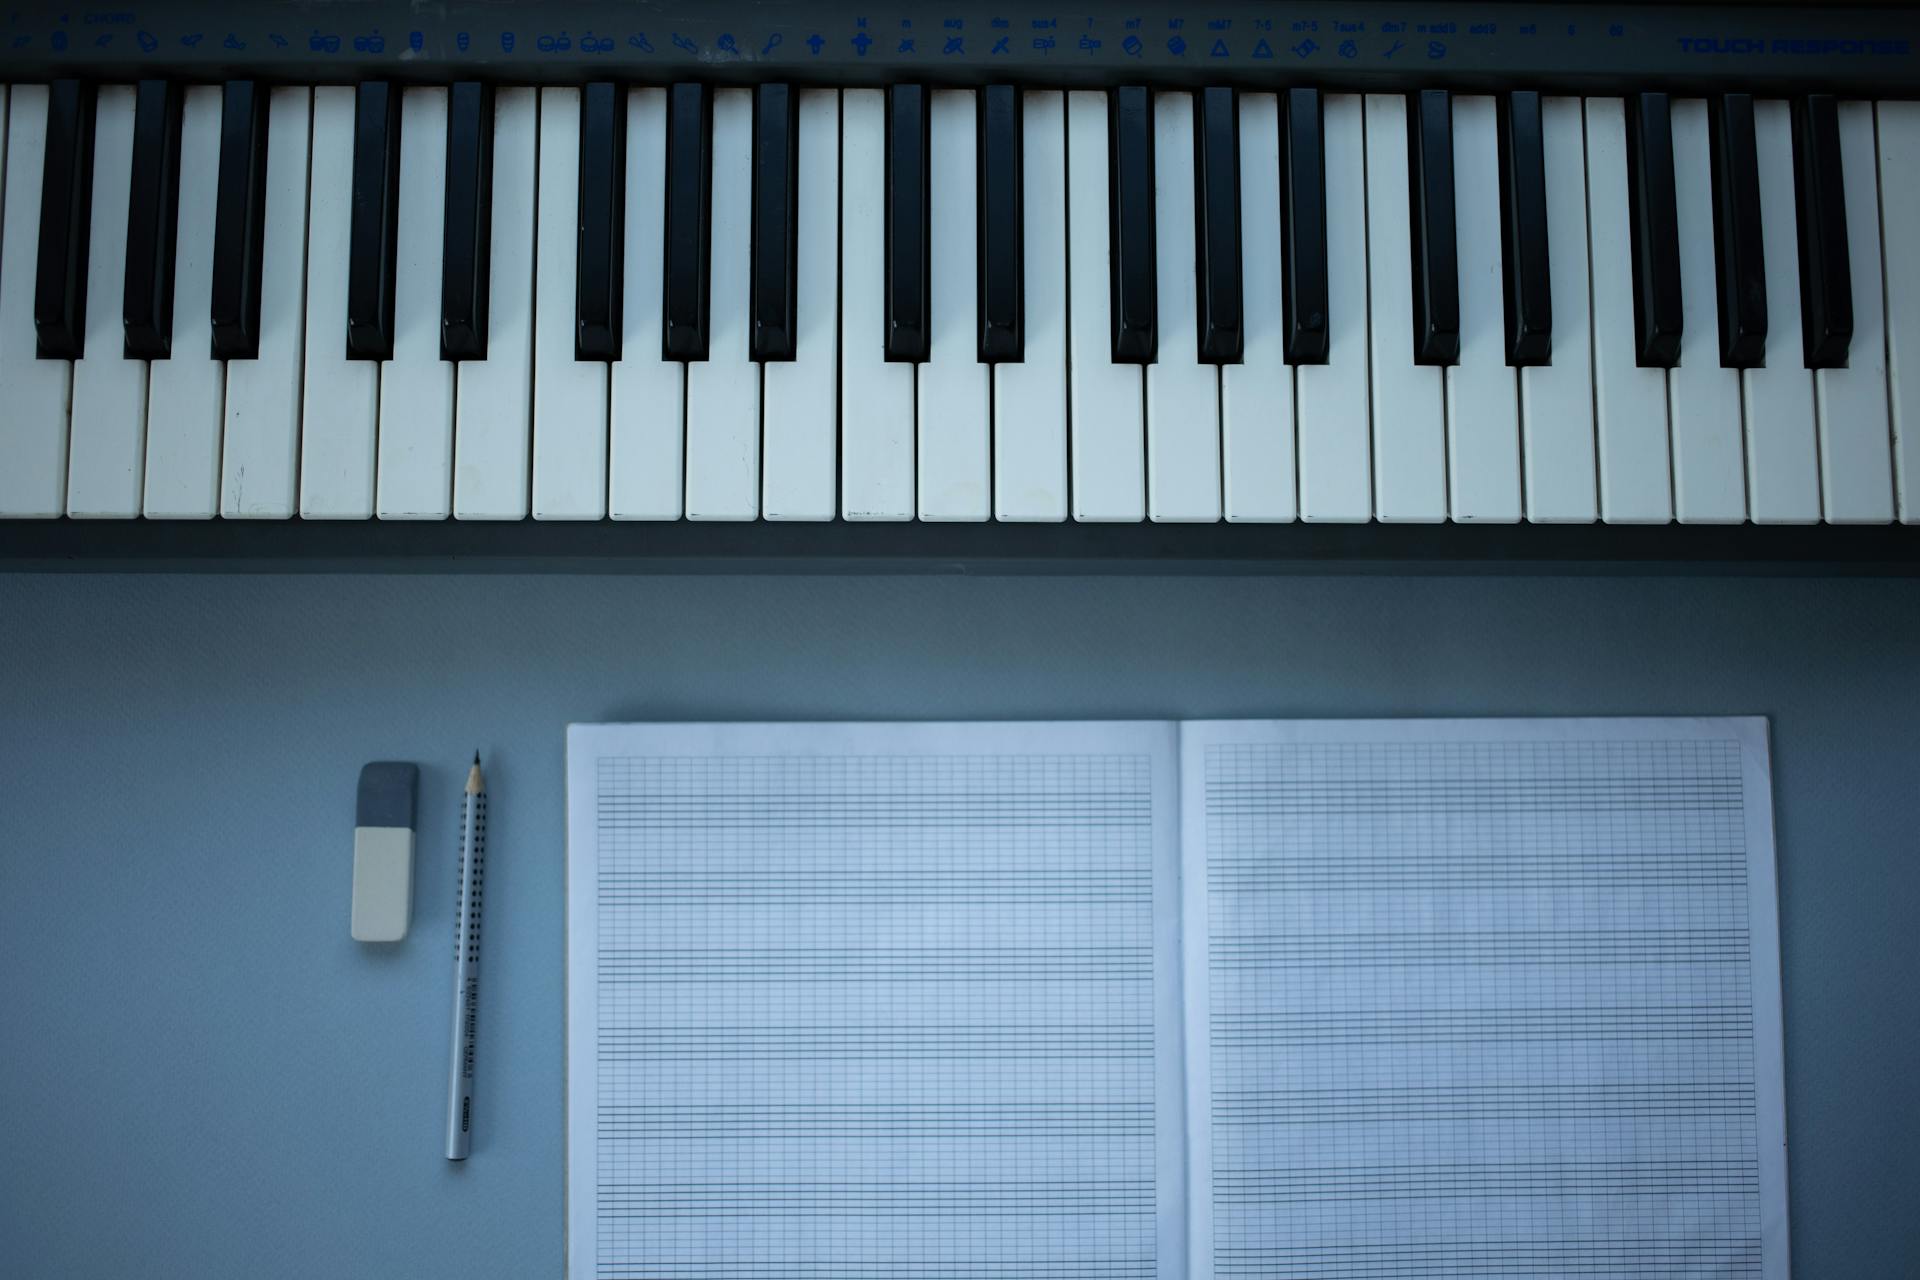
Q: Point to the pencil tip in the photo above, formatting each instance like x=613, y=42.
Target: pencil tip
x=476, y=757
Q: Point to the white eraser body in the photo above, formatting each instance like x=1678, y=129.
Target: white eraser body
x=382, y=883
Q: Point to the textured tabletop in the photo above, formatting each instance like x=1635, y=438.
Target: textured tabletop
x=202, y=1075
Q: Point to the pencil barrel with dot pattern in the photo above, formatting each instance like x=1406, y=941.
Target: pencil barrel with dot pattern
x=466, y=961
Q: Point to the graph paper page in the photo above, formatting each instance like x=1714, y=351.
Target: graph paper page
x=1488, y=998
x=874, y=1002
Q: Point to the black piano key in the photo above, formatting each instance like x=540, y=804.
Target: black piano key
x=1523, y=226
x=1826, y=282
x=374, y=221
x=467, y=235
x=774, y=288
x=1655, y=231
x=66, y=206
x=1738, y=265
x=239, y=220
x=1303, y=228
x=909, y=325
x=1216, y=241
x=1436, y=263
x=688, y=222
x=1130, y=227
x=599, y=252
x=153, y=206
x=1001, y=251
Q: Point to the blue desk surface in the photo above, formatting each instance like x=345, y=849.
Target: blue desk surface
x=202, y=1076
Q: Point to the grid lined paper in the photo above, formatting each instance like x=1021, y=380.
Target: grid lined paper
x=874, y=1016
x=1484, y=1008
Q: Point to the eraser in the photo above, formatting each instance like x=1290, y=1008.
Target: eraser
x=383, y=851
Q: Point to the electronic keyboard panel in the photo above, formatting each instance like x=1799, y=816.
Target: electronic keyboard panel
x=805, y=284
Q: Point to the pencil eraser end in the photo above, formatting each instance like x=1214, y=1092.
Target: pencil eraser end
x=383, y=852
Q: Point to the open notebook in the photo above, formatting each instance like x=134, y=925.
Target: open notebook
x=1351, y=999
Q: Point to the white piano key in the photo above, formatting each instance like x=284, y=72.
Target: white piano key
x=1029, y=414
x=1106, y=415
x=416, y=385
x=1483, y=406
x=647, y=471
x=1630, y=403
x=569, y=395
x=723, y=391
x=1709, y=476
x=185, y=391
x=340, y=402
x=259, y=465
x=1856, y=460
x=34, y=393
x=493, y=426
x=1556, y=400
x=107, y=458
x=1030, y=396
x=876, y=413
x=1336, y=477
x=952, y=388
x=1409, y=423
x=1256, y=395
x=1783, y=465
x=1183, y=395
x=1899, y=140
x=800, y=425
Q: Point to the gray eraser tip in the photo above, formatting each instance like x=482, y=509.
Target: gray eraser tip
x=386, y=794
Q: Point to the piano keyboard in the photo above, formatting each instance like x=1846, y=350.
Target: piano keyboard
x=650, y=303
x=1262, y=301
